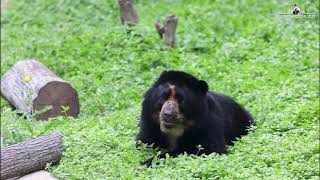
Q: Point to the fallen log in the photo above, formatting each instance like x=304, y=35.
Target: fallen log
x=128, y=14
x=30, y=86
x=31, y=156
x=168, y=30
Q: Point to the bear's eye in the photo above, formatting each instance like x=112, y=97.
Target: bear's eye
x=161, y=99
x=164, y=95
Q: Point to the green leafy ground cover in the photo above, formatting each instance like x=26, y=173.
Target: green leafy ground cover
x=267, y=62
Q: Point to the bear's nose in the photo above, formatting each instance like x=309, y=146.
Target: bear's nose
x=169, y=112
x=167, y=116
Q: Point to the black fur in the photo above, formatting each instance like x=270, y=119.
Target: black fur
x=218, y=120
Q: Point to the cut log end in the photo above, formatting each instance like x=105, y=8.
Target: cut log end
x=60, y=99
x=30, y=86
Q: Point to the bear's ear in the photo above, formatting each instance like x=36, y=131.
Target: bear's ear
x=203, y=86
x=163, y=73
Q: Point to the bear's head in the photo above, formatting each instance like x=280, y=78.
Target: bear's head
x=178, y=101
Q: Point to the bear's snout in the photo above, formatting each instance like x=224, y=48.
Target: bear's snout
x=169, y=112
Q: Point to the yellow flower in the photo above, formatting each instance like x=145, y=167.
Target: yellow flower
x=27, y=78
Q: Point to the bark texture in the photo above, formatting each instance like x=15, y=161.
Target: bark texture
x=30, y=156
x=168, y=30
x=30, y=86
x=128, y=14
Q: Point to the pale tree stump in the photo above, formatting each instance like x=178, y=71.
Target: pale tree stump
x=30, y=86
x=128, y=14
x=168, y=29
x=31, y=156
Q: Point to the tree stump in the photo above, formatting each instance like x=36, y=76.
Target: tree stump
x=128, y=14
x=31, y=156
x=30, y=86
x=168, y=29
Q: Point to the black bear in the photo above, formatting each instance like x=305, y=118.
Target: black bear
x=179, y=113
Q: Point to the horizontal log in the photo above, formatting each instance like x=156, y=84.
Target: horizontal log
x=30, y=86
x=31, y=156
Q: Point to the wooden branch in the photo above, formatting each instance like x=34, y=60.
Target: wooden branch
x=30, y=86
x=31, y=156
x=128, y=14
x=168, y=30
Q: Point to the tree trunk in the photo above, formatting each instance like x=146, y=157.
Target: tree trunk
x=128, y=14
x=168, y=30
x=30, y=156
x=30, y=86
